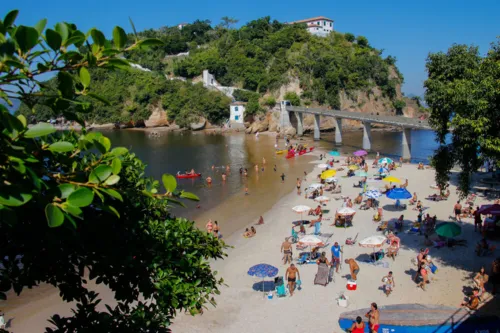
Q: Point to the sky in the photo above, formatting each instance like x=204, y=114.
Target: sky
x=408, y=30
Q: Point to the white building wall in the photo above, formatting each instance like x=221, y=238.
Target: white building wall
x=237, y=114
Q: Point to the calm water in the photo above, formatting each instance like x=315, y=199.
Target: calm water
x=226, y=201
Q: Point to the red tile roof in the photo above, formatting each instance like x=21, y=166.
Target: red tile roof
x=317, y=18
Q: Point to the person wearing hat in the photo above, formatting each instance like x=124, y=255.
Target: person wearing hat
x=336, y=250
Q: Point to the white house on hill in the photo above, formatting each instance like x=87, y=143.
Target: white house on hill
x=237, y=112
x=319, y=26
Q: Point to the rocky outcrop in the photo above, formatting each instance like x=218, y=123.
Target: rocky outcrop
x=261, y=124
x=158, y=117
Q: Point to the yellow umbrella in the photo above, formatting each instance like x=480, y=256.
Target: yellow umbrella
x=353, y=167
x=328, y=173
x=391, y=179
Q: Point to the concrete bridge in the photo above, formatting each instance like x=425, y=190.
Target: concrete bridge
x=406, y=124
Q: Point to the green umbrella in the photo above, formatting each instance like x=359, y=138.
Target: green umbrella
x=448, y=229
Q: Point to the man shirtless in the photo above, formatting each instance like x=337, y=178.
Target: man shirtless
x=353, y=266
x=373, y=318
x=286, y=248
x=457, y=209
x=291, y=276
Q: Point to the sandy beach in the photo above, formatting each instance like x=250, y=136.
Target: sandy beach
x=242, y=308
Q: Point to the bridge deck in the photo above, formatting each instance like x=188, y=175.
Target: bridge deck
x=388, y=120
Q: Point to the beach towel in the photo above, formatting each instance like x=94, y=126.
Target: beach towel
x=322, y=275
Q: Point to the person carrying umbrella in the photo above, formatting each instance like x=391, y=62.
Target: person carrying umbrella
x=291, y=276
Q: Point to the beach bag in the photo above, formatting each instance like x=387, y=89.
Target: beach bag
x=299, y=284
x=433, y=268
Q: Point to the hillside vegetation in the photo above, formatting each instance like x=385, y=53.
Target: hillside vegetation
x=261, y=56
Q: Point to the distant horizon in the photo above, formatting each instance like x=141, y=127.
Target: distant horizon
x=406, y=31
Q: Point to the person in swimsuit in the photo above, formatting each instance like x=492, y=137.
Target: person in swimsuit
x=261, y=220
x=423, y=273
x=354, y=268
x=389, y=283
x=473, y=302
x=209, y=226
x=299, y=183
x=457, y=209
x=275, y=168
x=481, y=278
x=209, y=180
x=286, y=248
x=373, y=318
x=223, y=177
x=252, y=229
x=323, y=259
x=358, y=326
x=291, y=276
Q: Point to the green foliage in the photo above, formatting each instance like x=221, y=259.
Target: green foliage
x=270, y=102
x=244, y=95
x=349, y=37
x=463, y=94
x=399, y=104
x=362, y=41
x=292, y=97
x=253, y=106
x=103, y=216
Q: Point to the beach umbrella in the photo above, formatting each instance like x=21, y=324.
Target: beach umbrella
x=315, y=186
x=373, y=241
x=334, y=153
x=398, y=194
x=301, y=209
x=489, y=209
x=263, y=271
x=391, y=179
x=385, y=160
x=331, y=180
x=373, y=194
x=353, y=167
x=360, y=153
x=328, y=173
x=372, y=180
x=346, y=211
x=361, y=173
x=311, y=240
x=322, y=165
x=322, y=199
x=448, y=229
x=383, y=171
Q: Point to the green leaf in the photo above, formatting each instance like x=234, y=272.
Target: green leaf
x=26, y=37
x=111, y=209
x=119, y=63
x=145, y=43
x=41, y=25
x=22, y=119
x=14, y=63
x=119, y=151
x=63, y=30
x=54, y=39
x=189, y=195
x=133, y=27
x=106, y=144
x=66, y=190
x=81, y=197
x=112, y=180
x=54, y=215
x=112, y=193
x=9, y=19
x=169, y=182
x=116, y=165
x=73, y=210
x=99, y=98
x=65, y=84
x=61, y=147
x=119, y=37
x=78, y=39
x=84, y=77
x=98, y=37
x=40, y=129
x=100, y=174
x=16, y=200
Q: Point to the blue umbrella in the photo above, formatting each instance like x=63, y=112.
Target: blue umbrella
x=382, y=170
x=399, y=194
x=334, y=153
x=262, y=271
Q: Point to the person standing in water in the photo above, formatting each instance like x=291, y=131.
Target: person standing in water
x=299, y=184
x=263, y=160
x=282, y=177
x=223, y=177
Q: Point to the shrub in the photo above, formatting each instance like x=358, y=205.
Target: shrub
x=349, y=37
x=270, y=102
x=293, y=98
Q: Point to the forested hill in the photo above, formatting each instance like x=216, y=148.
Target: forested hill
x=262, y=56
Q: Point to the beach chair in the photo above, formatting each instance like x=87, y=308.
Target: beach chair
x=295, y=236
x=322, y=275
x=2, y=322
x=303, y=259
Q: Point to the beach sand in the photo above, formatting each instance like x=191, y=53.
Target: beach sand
x=240, y=308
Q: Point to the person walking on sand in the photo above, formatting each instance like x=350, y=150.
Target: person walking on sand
x=373, y=318
x=423, y=273
x=353, y=267
x=477, y=220
x=457, y=209
x=299, y=183
x=389, y=283
x=282, y=177
x=336, y=250
x=263, y=160
x=275, y=168
x=286, y=248
x=291, y=276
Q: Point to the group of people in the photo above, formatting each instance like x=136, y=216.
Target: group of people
x=213, y=228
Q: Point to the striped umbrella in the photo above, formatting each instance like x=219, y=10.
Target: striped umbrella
x=373, y=194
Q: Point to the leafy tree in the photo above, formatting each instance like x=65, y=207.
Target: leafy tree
x=362, y=41
x=349, y=37
x=399, y=105
x=104, y=220
x=227, y=21
x=463, y=94
x=270, y=102
x=244, y=95
x=253, y=107
x=293, y=98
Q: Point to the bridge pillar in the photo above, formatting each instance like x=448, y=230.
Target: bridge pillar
x=367, y=136
x=300, y=126
x=284, y=116
x=316, y=127
x=406, y=143
x=338, y=130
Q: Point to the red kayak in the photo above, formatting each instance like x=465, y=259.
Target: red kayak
x=300, y=153
x=188, y=175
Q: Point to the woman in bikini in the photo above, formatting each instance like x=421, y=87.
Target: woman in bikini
x=209, y=226
x=358, y=326
x=299, y=183
x=481, y=278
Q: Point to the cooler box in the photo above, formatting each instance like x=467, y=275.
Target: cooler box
x=351, y=285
